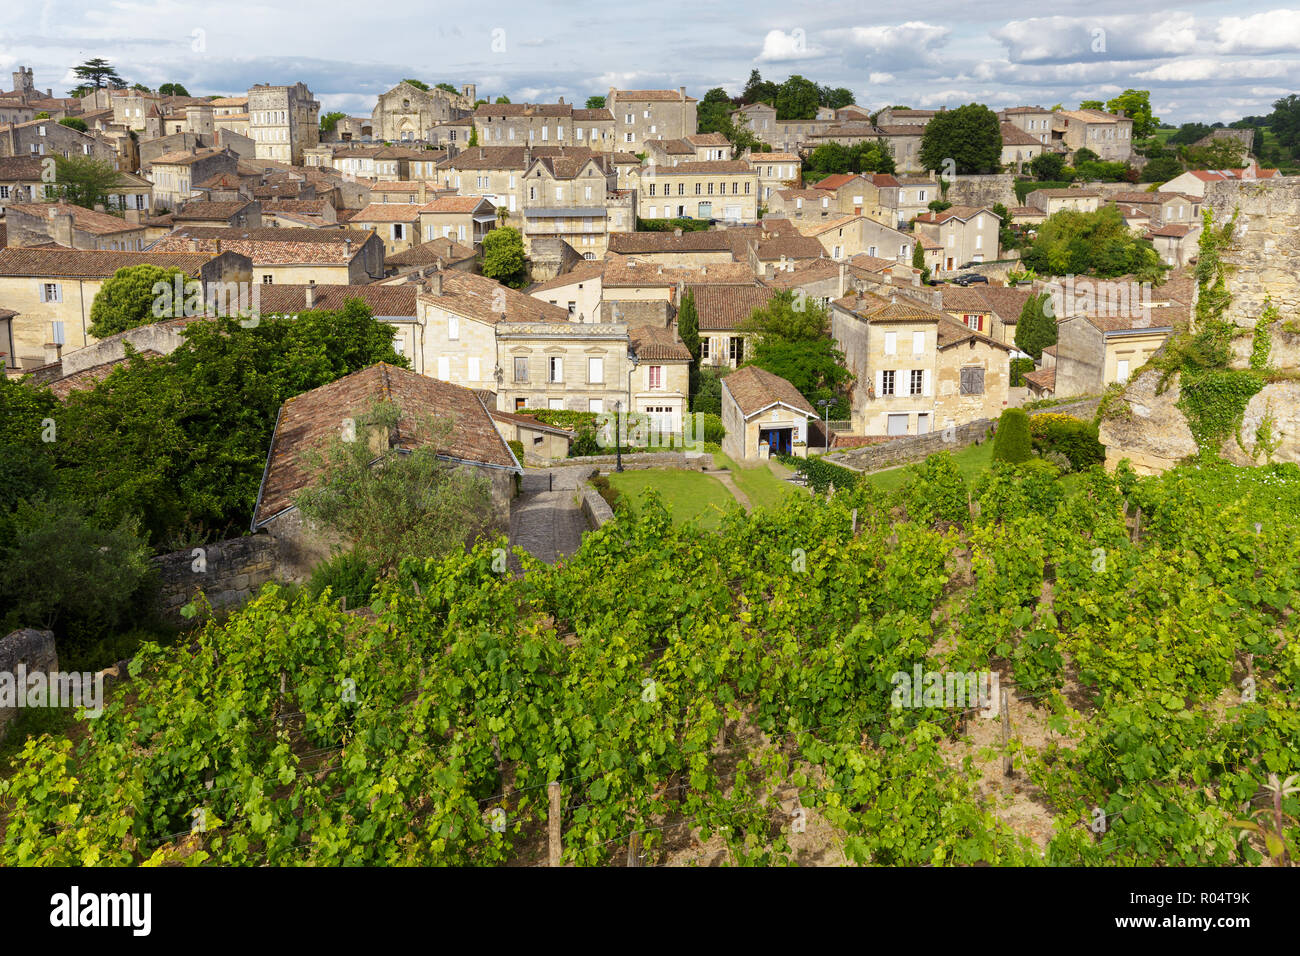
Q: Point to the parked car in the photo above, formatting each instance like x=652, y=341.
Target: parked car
x=967, y=278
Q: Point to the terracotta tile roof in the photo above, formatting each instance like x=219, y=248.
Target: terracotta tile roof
x=805, y=272
x=385, y=300
x=900, y=130
x=706, y=167
x=646, y=243
x=229, y=101
x=755, y=389
x=581, y=272
x=877, y=263
x=89, y=377
x=625, y=159
x=86, y=220
x=674, y=147
x=429, y=252
x=631, y=272
x=958, y=299
x=1171, y=230
x=310, y=421
x=1066, y=193
x=220, y=181
x=950, y=332
x=186, y=158
x=206, y=209
x=1007, y=302
x=876, y=308
x=790, y=247
x=708, y=139
x=1044, y=378
x=303, y=207
x=651, y=96
x=20, y=169
x=759, y=159
x=836, y=180
x=526, y=421
x=655, y=344
x=92, y=263
x=1017, y=212
x=596, y=115
x=963, y=213
x=487, y=157
x=455, y=204
x=722, y=308
x=481, y=298
x=1013, y=135
x=272, y=245
x=388, y=212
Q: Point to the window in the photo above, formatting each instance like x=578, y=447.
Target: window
x=975, y=322
x=4, y=192
x=736, y=349
x=573, y=308
x=891, y=343
x=51, y=292
x=444, y=367
x=267, y=280
x=652, y=189
x=595, y=370
x=920, y=196
x=453, y=327
x=972, y=381
x=559, y=192
x=1121, y=370
x=704, y=348
x=521, y=369
x=397, y=231
x=887, y=381
x=596, y=405
x=697, y=189
x=746, y=188
x=918, y=343
x=474, y=368
x=710, y=189
x=681, y=189
x=915, y=379
x=656, y=376
x=555, y=366
x=555, y=404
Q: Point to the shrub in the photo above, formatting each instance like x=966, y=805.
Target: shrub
x=1012, y=441
x=1018, y=369
x=936, y=491
x=518, y=448
x=606, y=490
x=347, y=575
x=709, y=428
x=1066, y=435
x=821, y=474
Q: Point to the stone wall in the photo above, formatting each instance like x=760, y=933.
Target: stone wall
x=594, y=507
x=695, y=461
x=548, y=258
x=983, y=190
x=227, y=572
x=900, y=451
x=161, y=338
x=34, y=650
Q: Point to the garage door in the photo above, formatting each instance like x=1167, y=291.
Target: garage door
x=897, y=425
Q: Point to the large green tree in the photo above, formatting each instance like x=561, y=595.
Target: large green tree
x=95, y=74
x=503, y=257
x=713, y=113
x=1091, y=243
x=173, y=89
x=797, y=99
x=1047, y=167
x=130, y=297
x=1285, y=121
x=1036, y=327
x=688, y=325
x=759, y=90
x=84, y=180
x=330, y=121
x=969, y=135
x=595, y=102
x=792, y=339
x=1136, y=105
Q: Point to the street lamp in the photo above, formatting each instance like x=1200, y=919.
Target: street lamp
x=825, y=403
x=618, y=444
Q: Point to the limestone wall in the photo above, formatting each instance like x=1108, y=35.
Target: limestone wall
x=227, y=572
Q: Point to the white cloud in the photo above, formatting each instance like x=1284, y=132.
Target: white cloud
x=779, y=46
x=1201, y=69
x=915, y=35
x=1137, y=36
x=878, y=78
x=1276, y=31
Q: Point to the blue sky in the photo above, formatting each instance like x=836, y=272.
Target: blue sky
x=1201, y=60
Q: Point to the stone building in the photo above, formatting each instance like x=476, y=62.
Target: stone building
x=639, y=115
x=544, y=124
x=75, y=227
x=407, y=114
x=763, y=415
x=718, y=190
x=282, y=121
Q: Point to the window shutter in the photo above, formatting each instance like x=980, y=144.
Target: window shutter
x=925, y=382
x=880, y=382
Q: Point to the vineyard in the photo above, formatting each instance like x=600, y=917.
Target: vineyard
x=733, y=691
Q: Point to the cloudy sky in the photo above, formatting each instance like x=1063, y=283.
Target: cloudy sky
x=1201, y=60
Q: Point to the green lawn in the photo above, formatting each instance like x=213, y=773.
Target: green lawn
x=763, y=488
x=689, y=495
x=971, y=460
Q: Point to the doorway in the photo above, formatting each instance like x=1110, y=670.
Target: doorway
x=780, y=441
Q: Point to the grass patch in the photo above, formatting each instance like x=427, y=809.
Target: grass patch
x=688, y=495
x=763, y=488
x=971, y=460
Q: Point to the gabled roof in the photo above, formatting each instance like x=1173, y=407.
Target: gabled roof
x=92, y=263
x=383, y=300
x=961, y=213
x=307, y=423
x=83, y=219
x=657, y=344
x=836, y=180
x=480, y=298
x=754, y=389
x=1013, y=135
x=388, y=212
x=632, y=272
x=455, y=204
x=198, y=209
x=269, y=246
x=429, y=252
x=652, y=96
x=723, y=307
x=583, y=271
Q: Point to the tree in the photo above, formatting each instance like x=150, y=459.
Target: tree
x=1092, y=105
x=503, y=100
x=95, y=74
x=713, y=113
x=688, y=325
x=473, y=136
x=1161, y=169
x=792, y=340
x=873, y=157
x=1097, y=243
x=918, y=261
x=173, y=89
x=420, y=84
x=1012, y=442
x=789, y=316
x=707, y=397
x=448, y=88
x=797, y=99
x=1047, y=167
x=595, y=102
x=758, y=90
x=74, y=122
x=84, y=180
x=407, y=504
x=1136, y=105
x=140, y=88
x=330, y=121
x=503, y=257
x=43, y=114
x=970, y=136
x=1006, y=235
x=938, y=205
x=1036, y=328
x=128, y=298
x=1084, y=155
x=1188, y=133
x=1285, y=121
x=837, y=98
x=830, y=158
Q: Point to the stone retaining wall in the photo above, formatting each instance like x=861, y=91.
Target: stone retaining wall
x=694, y=460
x=227, y=572
x=596, y=508
x=911, y=448
x=35, y=651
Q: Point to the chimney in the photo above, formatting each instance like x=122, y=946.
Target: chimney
x=840, y=293
x=682, y=91
x=53, y=353
x=435, y=284
x=310, y=295
x=194, y=245
x=704, y=270
x=347, y=246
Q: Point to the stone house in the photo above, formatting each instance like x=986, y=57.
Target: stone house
x=230, y=113
x=175, y=175
x=722, y=311
x=966, y=233
x=48, y=137
x=543, y=444
x=1094, y=351
x=578, y=291
x=719, y=190
x=466, y=219
x=432, y=255
x=131, y=192
x=51, y=291
x=905, y=117
x=308, y=423
x=763, y=415
x=544, y=124
x=916, y=369
x=1176, y=243
x=493, y=172
x=639, y=115
x=678, y=248
x=659, y=383
x=283, y=121
x=1052, y=201
x=1162, y=207
x=407, y=114
x=804, y=204
x=775, y=171
x=573, y=198
x=849, y=236
x=292, y=256
x=1019, y=147
x=1106, y=134
x=237, y=213
x=991, y=310
x=904, y=143
x=1033, y=120
x=22, y=179
x=72, y=226
x=396, y=223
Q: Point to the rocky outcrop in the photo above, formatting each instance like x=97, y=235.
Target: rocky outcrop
x=1262, y=268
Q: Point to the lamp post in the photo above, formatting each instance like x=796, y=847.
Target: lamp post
x=825, y=403
x=618, y=444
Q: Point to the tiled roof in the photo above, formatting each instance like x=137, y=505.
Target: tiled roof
x=487, y=157
x=89, y=377
x=721, y=308
x=1007, y=302
x=790, y=247
x=429, y=252
x=302, y=207
x=760, y=159
x=1066, y=193
x=271, y=246
x=950, y=332
x=875, y=308
x=526, y=421
x=1156, y=320
x=388, y=300
x=963, y=213
x=185, y=158
x=92, y=263
x=454, y=204
x=1170, y=230
x=481, y=298
x=657, y=344
x=596, y=115
x=220, y=181
x=388, y=212
x=20, y=168
x=1044, y=378
x=755, y=389
x=805, y=272
x=708, y=139
x=705, y=168
x=310, y=421
x=1013, y=135
x=645, y=243
x=835, y=180
x=206, y=209
x=581, y=272
x=631, y=272
x=650, y=96
x=86, y=220
x=676, y=147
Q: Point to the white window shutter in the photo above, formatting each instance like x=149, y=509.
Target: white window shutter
x=925, y=382
x=880, y=382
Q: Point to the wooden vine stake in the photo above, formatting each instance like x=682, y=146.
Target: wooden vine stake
x=855, y=522
x=1006, y=733
x=634, y=849
x=1137, y=524
x=553, y=823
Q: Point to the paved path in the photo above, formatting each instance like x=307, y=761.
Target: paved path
x=546, y=524
x=730, y=485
